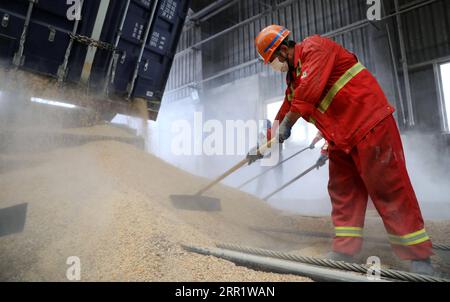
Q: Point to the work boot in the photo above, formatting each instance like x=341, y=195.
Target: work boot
x=336, y=256
x=422, y=267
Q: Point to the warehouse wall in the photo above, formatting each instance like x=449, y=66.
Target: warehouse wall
x=427, y=31
x=425, y=99
x=304, y=18
x=236, y=47
x=231, y=56
x=427, y=42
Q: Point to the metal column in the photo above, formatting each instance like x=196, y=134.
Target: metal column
x=442, y=108
x=397, y=80
x=404, y=61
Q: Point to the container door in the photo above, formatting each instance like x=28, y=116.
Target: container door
x=42, y=45
x=167, y=20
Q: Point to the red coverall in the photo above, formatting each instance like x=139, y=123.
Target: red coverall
x=366, y=153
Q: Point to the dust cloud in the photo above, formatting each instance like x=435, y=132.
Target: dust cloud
x=73, y=185
x=426, y=155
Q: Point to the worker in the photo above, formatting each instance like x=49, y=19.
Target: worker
x=330, y=88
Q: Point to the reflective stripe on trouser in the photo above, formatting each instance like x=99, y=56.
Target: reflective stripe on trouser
x=376, y=166
x=343, y=231
x=409, y=239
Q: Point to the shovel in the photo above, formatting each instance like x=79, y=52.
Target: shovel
x=12, y=220
x=199, y=202
x=274, y=167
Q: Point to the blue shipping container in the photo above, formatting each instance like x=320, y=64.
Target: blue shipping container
x=140, y=39
x=146, y=34
x=34, y=35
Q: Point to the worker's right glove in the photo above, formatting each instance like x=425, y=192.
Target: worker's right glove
x=324, y=155
x=284, y=130
x=316, y=139
x=254, y=155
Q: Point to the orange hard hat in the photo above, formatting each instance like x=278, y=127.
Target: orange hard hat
x=269, y=39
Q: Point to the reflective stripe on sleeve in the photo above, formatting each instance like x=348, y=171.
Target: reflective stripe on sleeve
x=346, y=77
x=292, y=94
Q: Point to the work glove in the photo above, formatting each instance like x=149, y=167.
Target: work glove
x=254, y=155
x=284, y=130
x=322, y=160
x=324, y=155
x=316, y=139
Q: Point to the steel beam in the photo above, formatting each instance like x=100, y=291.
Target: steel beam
x=208, y=9
x=336, y=32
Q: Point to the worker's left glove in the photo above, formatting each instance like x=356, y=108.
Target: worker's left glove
x=322, y=160
x=254, y=155
x=284, y=130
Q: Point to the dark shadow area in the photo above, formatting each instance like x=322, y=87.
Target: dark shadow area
x=12, y=219
x=196, y=203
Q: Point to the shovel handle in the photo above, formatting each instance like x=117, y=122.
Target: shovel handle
x=291, y=182
x=236, y=167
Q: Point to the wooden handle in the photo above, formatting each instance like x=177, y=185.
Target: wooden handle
x=236, y=167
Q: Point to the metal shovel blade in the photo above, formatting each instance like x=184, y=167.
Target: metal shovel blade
x=12, y=220
x=196, y=203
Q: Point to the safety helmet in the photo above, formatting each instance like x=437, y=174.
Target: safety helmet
x=269, y=39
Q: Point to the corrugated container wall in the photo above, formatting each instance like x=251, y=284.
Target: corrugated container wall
x=36, y=35
x=124, y=48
